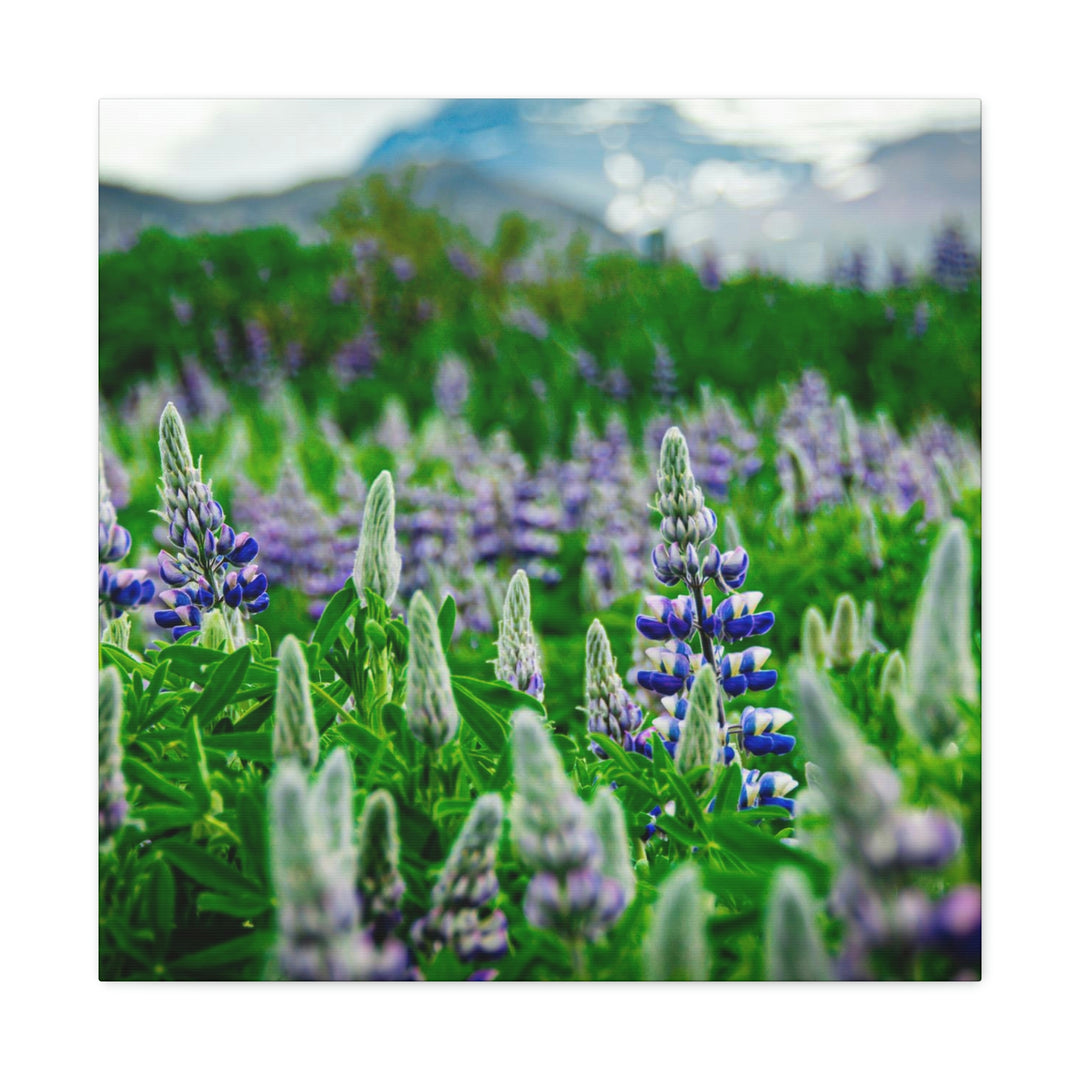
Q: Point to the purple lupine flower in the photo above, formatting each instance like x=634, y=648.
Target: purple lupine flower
x=403, y=268
x=953, y=264
x=210, y=565
x=339, y=289
x=356, y=359
x=711, y=273
x=463, y=262
x=665, y=378
x=182, y=310
x=690, y=560
x=118, y=590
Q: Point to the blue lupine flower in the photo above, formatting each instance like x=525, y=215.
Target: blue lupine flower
x=121, y=589
x=766, y=789
x=759, y=731
x=675, y=664
x=736, y=618
x=740, y=672
x=205, y=546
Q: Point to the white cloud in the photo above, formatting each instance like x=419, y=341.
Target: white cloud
x=205, y=149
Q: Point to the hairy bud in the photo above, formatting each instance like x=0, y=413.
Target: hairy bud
x=518, y=661
x=295, y=733
x=378, y=564
x=381, y=884
x=699, y=736
x=676, y=947
x=814, y=640
x=794, y=951
x=112, y=802
x=429, y=697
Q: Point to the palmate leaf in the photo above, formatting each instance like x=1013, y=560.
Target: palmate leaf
x=208, y=870
x=336, y=613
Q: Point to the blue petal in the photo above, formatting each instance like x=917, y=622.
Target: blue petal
x=653, y=629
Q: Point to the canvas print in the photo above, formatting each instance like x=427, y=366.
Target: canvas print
x=539, y=540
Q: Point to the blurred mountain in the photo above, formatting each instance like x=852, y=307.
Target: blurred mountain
x=621, y=170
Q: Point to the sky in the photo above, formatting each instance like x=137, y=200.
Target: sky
x=211, y=149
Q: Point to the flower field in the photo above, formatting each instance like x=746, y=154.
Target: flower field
x=475, y=612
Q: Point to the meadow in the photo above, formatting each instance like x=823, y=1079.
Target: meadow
x=481, y=611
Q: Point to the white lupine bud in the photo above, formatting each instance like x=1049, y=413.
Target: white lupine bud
x=429, y=696
x=607, y=704
x=844, y=647
x=378, y=564
x=118, y=633
x=814, y=639
x=893, y=686
x=313, y=869
x=609, y=823
x=518, y=661
x=295, y=733
x=794, y=950
x=179, y=473
x=215, y=633
x=699, y=736
x=112, y=803
x=681, y=503
x=676, y=947
x=940, y=662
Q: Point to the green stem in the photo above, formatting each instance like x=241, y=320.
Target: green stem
x=579, y=959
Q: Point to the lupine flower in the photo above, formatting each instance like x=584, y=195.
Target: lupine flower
x=608, y=706
x=675, y=947
x=206, y=549
x=551, y=826
x=112, y=801
x=676, y=667
x=452, y=386
x=378, y=564
x=794, y=951
x=463, y=262
x=665, y=378
x=953, y=265
x=760, y=731
x=878, y=841
x=766, y=789
x=518, y=661
x=117, y=589
x=381, y=885
x=429, y=697
x=295, y=733
x=313, y=866
x=940, y=660
x=463, y=915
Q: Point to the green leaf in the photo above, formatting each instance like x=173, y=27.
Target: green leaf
x=198, y=772
x=500, y=697
x=161, y=899
x=674, y=827
x=207, y=870
x=249, y=745
x=342, y=604
x=447, y=619
x=481, y=720
x=159, y=818
x=139, y=773
x=188, y=661
x=248, y=946
x=222, y=685
x=251, y=825
x=374, y=635
x=243, y=907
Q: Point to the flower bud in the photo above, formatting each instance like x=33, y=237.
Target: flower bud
x=429, y=697
x=381, y=884
x=676, y=947
x=699, y=736
x=794, y=950
x=112, y=801
x=844, y=645
x=378, y=565
x=295, y=733
x=518, y=661
x=814, y=640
